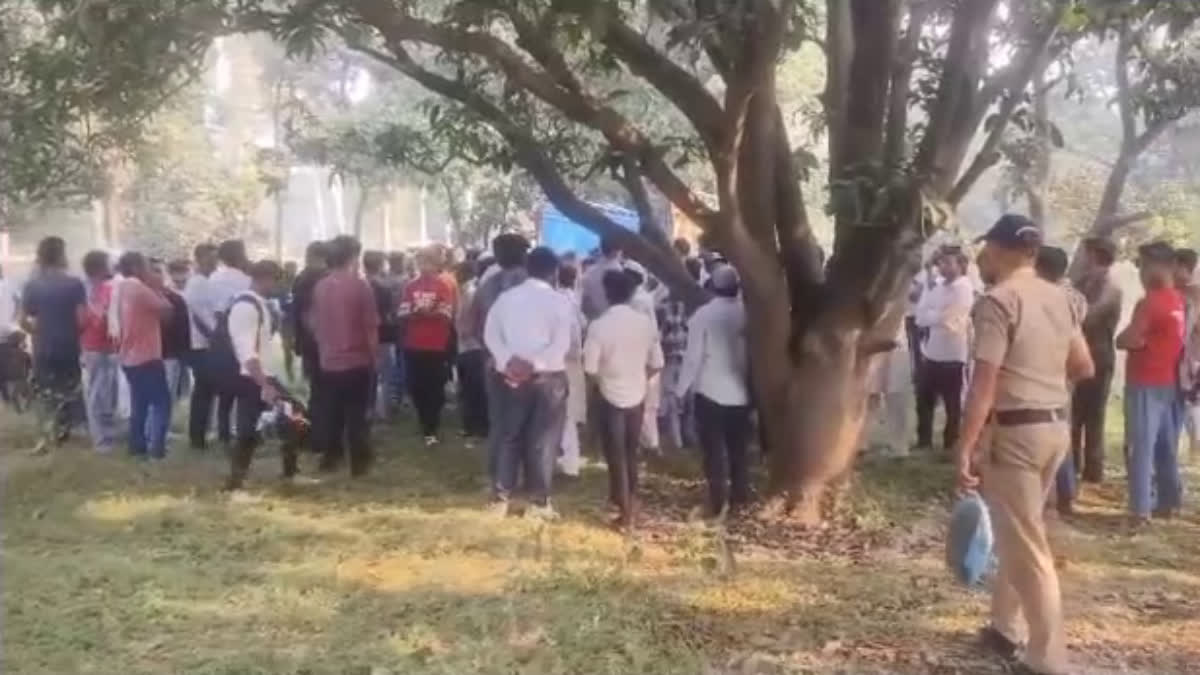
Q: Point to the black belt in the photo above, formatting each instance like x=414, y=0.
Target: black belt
x=1022, y=417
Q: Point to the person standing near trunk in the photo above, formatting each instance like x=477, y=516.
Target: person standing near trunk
x=1089, y=402
x=945, y=311
x=100, y=365
x=471, y=358
x=622, y=353
x=385, y=304
x=143, y=310
x=528, y=334
x=715, y=371
x=427, y=310
x=55, y=306
x=1028, y=346
x=1154, y=340
x=203, y=322
x=592, y=299
x=345, y=323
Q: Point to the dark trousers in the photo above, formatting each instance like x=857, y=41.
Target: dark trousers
x=206, y=391
x=621, y=430
x=723, y=431
x=472, y=392
x=149, y=409
x=57, y=382
x=939, y=380
x=528, y=427
x=427, y=373
x=250, y=406
x=1089, y=405
x=340, y=418
x=912, y=333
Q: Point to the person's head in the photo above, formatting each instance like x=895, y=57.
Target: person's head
x=635, y=272
x=1185, y=267
x=156, y=271
x=232, y=253
x=95, y=266
x=542, y=263
x=372, y=262
x=567, y=276
x=618, y=287
x=510, y=250
x=694, y=268
x=205, y=256
x=316, y=255
x=343, y=251
x=52, y=253
x=1156, y=264
x=1051, y=264
x=609, y=248
x=179, y=271
x=1010, y=245
x=290, y=270
x=133, y=265
x=397, y=264
x=265, y=276
x=683, y=247
x=951, y=262
x=1100, y=253
x=725, y=281
x=429, y=261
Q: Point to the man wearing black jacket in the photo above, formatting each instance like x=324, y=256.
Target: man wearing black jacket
x=315, y=266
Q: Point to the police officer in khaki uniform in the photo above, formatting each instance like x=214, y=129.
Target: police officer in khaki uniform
x=1028, y=344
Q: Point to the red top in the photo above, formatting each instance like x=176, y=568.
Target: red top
x=1156, y=364
x=427, y=307
x=345, y=321
x=142, y=312
x=93, y=334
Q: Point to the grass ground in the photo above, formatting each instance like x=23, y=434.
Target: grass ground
x=110, y=567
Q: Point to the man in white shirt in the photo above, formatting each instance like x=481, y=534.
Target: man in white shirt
x=528, y=334
x=593, y=299
x=945, y=312
x=229, y=278
x=198, y=296
x=568, y=461
x=715, y=370
x=644, y=303
x=621, y=354
x=250, y=334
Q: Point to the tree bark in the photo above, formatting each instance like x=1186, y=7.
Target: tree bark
x=360, y=209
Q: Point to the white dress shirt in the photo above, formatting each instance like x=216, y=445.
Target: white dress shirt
x=643, y=302
x=249, y=329
x=621, y=347
x=945, y=310
x=8, y=308
x=592, y=296
x=715, y=361
x=531, y=321
x=196, y=295
x=223, y=286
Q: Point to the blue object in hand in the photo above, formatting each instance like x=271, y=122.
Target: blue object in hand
x=969, y=542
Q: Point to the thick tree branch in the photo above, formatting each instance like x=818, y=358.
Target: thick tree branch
x=1113, y=223
x=896, y=136
x=840, y=45
x=648, y=226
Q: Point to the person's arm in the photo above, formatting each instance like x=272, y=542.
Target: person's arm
x=1080, y=365
x=593, y=348
x=370, y=316
x=693, y=354
x=1133, y=337
x=992, y=326
x=956, y=315
x=655, y=360
x=493, y=334
x=82, y=311
x=929, y=309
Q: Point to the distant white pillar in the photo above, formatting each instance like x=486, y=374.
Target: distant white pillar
x=322, y=232
x=424, y=218
x=387, y=225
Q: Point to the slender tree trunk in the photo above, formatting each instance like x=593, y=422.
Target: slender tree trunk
x=360, y=210
x=280, y=199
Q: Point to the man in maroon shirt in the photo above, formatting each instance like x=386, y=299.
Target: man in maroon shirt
x=345, y=323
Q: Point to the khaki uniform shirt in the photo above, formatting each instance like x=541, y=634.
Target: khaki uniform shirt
x=1025, y=326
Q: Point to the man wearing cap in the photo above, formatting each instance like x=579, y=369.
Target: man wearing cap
x=1154, y=340
x=1089, y=402
x=1028, y=344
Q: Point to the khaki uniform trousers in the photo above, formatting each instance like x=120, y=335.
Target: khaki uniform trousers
x=1018, y=475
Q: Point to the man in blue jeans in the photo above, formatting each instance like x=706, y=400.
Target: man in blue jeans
x=1154, y=340
x=143, y=309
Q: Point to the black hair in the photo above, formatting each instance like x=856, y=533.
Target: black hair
x=483, y=264
x=618, y=287
x=1102, y=249
x=1157, y=252
x=1187, y=258
x=609, y=247
x=955, y=252
x=343, y=249
x=636, y=277
x=266, y=269
x=510, y=250
x=396, y=262
x=694, y=267
x=567, y=275
x=95, y=264
x=683, y=247
x=1051, y=263
x=317, y=250
x=232, y=252
x=179, y=266
x=372, y=262
x=131, y=263
x=204, y=250
x=52, y=252
x=542, y=263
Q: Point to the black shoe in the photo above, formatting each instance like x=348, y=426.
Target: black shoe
x=996, y=642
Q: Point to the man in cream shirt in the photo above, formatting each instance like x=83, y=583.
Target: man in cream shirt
x=945, y=314
x=623, y=354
